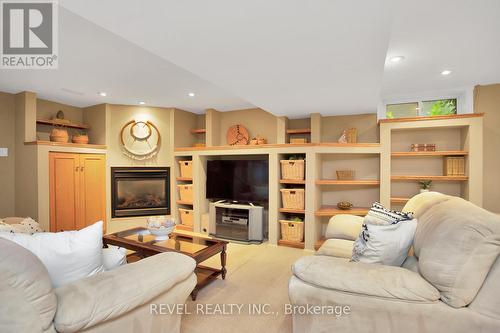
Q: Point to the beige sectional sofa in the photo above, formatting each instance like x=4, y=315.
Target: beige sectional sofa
x=113, y=301
x=451, y=284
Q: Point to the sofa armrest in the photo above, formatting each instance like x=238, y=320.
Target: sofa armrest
x=93, y=300
x=373, y=280
x=344, y=226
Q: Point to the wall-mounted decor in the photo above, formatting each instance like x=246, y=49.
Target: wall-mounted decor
x=140, y=140
x=237, y=135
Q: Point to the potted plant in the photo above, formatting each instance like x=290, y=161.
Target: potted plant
x=425, y=185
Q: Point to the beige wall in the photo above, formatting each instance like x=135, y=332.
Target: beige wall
x=116, y=117
x=333, y=126
x=257, y=121
x=26, y=166
x=7, y=164
x=487, y=101
x=48, y=110
x=95, y=117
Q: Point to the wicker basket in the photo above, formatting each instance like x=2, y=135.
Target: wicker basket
x=292, y=169
x=345, y=174
x=59, y=135
x=186, y=216
x=293, y=198
x=292, y=231
x=186, y=192
x=186, y=169
x=352, y=135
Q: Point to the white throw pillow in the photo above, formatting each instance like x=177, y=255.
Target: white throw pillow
x=68, y=255
x=113, y=257
x=385, y=238
x=385, y=244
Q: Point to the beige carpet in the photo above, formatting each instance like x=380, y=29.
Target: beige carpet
x=256, y=274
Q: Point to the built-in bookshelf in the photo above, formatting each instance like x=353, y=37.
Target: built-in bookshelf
x=179, y=203
x=387, y=171
x=455, y=138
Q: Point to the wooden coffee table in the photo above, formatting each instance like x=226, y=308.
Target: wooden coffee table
x=200, y=249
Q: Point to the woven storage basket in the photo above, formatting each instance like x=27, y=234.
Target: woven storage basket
x=292, y=231
x=186, y=216
x=352, y=135
x=293, y=198
x=186, y=169
x=345, y=174
x=186, y=192
x=292, y=169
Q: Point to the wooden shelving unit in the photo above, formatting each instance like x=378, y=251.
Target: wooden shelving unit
x=433, y=178
x=299, y=131
x=184, y=227
x=333, y=210
x=198, y=131
x=61, y=124
x=292, y=211
x=298, y=245
x=399, y=200
x=228, y=148
x=429, y=153
x=348, y=182
x=184, y=179
x=292, y=182
x=183, y=202
x=65, y=144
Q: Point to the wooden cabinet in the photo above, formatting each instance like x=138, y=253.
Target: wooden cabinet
x=77, y=190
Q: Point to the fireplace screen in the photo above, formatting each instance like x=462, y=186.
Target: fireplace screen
x=140, y=191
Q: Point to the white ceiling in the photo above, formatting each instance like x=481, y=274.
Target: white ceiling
x=92, y=59
x=459, y=35
x=290, y=57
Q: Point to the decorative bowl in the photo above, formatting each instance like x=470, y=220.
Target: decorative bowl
x=344, y=205
x=161, y=226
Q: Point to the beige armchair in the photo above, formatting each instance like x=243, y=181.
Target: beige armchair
x=451, y=284
x=114, y=301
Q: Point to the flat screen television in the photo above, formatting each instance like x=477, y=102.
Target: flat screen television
x=238, y=180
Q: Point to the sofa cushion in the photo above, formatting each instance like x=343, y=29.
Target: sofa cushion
x=456, y=243
x=27, y=300
x=106, y=296
x=69, y=255
x=344, y=226
x=364, y=279
x=340, y=248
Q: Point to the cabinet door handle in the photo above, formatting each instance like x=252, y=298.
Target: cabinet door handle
x=81, y=169
x=76, y=169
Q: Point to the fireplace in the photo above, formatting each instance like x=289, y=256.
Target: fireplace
x=140, y=191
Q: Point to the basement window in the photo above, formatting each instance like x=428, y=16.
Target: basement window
x=438, y=107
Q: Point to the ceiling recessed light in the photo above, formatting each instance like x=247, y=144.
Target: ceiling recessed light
x=191, y=94
x=396, y=58
x=102, y=93
x=142, y=102
x=446, y=72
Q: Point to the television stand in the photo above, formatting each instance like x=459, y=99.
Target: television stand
x=236, y=221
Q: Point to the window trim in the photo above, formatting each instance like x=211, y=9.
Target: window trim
x=464, y=97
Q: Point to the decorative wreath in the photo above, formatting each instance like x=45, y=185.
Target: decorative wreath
x=140, y=140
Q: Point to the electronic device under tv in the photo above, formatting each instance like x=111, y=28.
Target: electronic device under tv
x=238, y=180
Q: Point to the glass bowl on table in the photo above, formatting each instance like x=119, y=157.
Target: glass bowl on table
x=161, y=226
